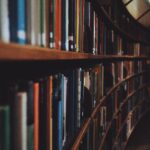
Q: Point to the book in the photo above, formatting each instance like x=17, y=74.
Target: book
x=42, y=113
x=33, y=22
x=64, y=108
x=44, y=21
x=5, y=129
x=13, y=20
x=21, y=21
x=36, y=115
x=71, y=25
x=57, y=112
x=58, y=23
x=81, y=25
x=87, y=28
x=65, y=23
x=52, y=24
x=20, y=121
x=4, y=21
x=77, y=14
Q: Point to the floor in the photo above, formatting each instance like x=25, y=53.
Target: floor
x=140, y=139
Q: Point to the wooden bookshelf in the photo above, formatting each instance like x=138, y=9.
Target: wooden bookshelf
x=102, y=101
x=72, y=78
x=124, y=123
x=15, y=52
x=101, y=11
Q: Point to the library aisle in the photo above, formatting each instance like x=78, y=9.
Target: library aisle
x=140, y=140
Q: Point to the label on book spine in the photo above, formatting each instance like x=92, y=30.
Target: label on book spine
x=21, y=35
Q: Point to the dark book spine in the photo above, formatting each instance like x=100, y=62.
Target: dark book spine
x=42, y=115
x=72, y=25
x=63, y=46
x=64, y=26
x=52, y=24
x=13, y=20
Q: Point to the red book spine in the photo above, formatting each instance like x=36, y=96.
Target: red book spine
x=36, y=116
x=58, y=24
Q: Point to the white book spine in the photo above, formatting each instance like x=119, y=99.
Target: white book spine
x=35, y=22
x=20, y=122
x=4, y=21
x=43, y=24
x=65, y=110
x=67, y=25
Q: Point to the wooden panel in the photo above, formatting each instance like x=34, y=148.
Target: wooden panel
x=15, y=52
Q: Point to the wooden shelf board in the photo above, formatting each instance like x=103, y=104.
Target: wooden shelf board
x=16, y=52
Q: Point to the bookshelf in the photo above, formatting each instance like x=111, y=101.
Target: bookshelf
x=74, y=75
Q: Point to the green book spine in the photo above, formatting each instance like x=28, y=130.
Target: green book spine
x=4, y=128
x=30, y=138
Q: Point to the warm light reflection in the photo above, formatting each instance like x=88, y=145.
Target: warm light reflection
x=137, y=8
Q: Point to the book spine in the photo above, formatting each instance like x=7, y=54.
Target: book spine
x=30, y=115
x=4, y=127
x=0, y=20
x=49, y=113
x=42, y=22
x=35, y=22
x=81, y=25
x=42, y=114
x=13, y=20
x=60, y=117
x=58, y=112
x=94, y=33
x=20, y=121
x=77, y=10
x=44, y=17
x=58, y=24
x=21, y=22
x=47, y=21
x=4, y=21
x=28, y=19
x=65, y=19
x=64, y=98
x=78, y=76
x=52, y=24
x=36, y=115
x=71, y=25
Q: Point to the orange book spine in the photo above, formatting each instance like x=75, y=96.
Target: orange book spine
x=36, y=116
x=49, y=113
x=58, y=24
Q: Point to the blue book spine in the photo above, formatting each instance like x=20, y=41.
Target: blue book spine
x=60, y=112
x=21, y=30
x=60, y=125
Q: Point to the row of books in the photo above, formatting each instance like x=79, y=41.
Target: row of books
x=111, y=134
x=111, y=117
x=67, y=25
x=47, y=113
x=120, y=16
x=34, y=113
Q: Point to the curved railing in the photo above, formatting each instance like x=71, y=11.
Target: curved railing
x=124, y=123
x=96, y=110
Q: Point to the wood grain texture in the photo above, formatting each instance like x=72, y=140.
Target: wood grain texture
x=16, y=52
